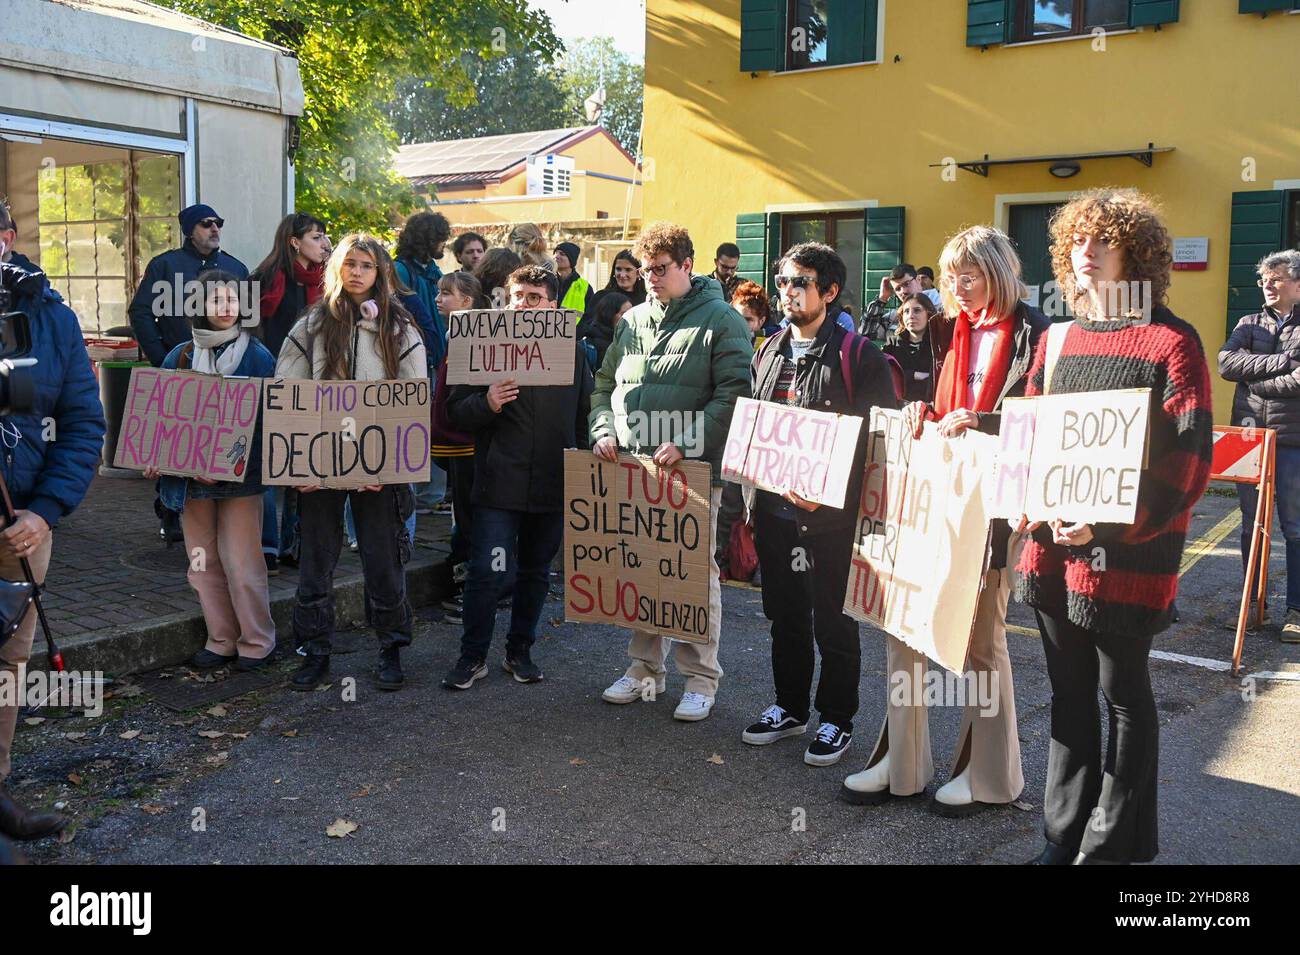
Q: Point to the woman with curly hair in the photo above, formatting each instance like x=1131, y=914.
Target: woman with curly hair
x=990, y=336
x=1111, y=258
x=358, y=331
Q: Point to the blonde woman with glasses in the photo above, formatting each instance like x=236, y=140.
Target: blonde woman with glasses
x=985, y=342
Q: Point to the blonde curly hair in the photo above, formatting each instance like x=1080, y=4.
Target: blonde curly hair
x=1128, y=220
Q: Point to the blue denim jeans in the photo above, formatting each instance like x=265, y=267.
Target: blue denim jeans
x=506, y=542
x=1288, y=513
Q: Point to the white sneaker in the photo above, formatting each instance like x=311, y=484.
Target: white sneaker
x=627, y=690
x=869, y=787
x=694, y=706
x=956, y=791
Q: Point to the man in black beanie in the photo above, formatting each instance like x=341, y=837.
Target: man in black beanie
x=575, y=291
x=159, y=324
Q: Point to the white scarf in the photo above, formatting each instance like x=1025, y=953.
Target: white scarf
x=209, y=355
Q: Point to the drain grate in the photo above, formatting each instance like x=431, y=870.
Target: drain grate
x=159, y=560
x=183, y=692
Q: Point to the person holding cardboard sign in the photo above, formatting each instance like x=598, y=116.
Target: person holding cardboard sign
x=520, y=435
x=359, y=331
x=667, y=388
x=805, y=549
x=222, y=520
x=1102, y=592
x=990, y=336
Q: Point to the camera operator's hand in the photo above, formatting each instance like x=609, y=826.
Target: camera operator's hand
x=25, y=535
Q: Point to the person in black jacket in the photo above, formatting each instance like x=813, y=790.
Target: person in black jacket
x=159, y=326
x=805, y=549
x=605, y=316
x=909, y=343
x=520, y=435
x=1263, y=357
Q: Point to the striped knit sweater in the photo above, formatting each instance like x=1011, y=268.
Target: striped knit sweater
x=1135, y=590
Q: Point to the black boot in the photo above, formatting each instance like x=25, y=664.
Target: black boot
x=312, y=671
x=1053, y=854
x=389, y=673
x=17, y=823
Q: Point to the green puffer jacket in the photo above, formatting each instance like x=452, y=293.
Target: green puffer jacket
x=691, y=358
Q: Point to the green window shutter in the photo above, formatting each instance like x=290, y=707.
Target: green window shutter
x=751, y=237
x=1147, y=13
x=882, y=246
x=1257, y=229
x=988, y=22
x=762, y=30
x=774, y=252
x=1266, y=6
x=851, y=31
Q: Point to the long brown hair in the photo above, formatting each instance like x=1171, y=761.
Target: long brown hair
x=293, y=226
x=335, y=316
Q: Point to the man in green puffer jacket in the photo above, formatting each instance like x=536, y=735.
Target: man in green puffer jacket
x=666, y=388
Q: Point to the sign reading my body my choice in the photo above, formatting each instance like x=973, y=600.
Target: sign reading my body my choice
x=532, y=346
x=342, y=434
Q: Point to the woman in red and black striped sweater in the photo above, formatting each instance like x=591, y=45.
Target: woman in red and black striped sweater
x=1102, y=592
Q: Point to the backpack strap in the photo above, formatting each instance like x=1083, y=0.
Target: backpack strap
x=847, y=363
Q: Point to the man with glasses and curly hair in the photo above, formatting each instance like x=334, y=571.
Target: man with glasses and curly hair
x=1263, y=357
x=678, y=363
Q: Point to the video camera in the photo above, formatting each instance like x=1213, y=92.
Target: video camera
x=17, y=384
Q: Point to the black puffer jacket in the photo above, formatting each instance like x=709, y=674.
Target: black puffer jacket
x=1263, y=357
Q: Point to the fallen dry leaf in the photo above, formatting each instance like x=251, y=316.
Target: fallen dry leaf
x=715, y=759
x=153, y=809
x=239, y=735
x=289, y=733
x=276, y=782
x=76, y=734
x=1024, y=806
x=34, y=721
x=74, y=779
x=217, y=710
x=577, y=761
x=340, y=828
x=129, y=734
x=211, y=734
x=67, y=835
x=217, y=759
x=149, y=737
x=362, y=793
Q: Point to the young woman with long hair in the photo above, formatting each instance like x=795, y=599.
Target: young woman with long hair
x=527, y=242
x=358, y=331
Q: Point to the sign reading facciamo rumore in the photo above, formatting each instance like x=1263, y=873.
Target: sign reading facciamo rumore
x=920, y=547
x=636, y=540
x=534, y=346
x=342, y=434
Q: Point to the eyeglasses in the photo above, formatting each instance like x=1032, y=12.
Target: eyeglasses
x=209, y=223
x=658, y=270
x=795, y=281
x=1272, y=282
x=528, y=299
x=966, y=282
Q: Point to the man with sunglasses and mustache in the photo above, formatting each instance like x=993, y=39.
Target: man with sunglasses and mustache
x=679, y=360
x=805, y=549
x=167, y=280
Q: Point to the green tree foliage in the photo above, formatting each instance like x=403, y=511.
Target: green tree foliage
x=580, y=72
x=352, y=55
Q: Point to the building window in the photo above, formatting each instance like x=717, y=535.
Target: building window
x=808, y=31
x=98, y=226
x=1046, y=19
x=843, y=232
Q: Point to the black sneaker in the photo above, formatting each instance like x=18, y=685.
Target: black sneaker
x=774, y=724
x=827, y=746
x=463, y=675
x=205, y=659
x=453, y=611
x=520, y=663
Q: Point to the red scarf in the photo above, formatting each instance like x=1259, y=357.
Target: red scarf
x=311, y=278
x=953, y=391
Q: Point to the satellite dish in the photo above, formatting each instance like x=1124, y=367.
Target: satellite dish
x=594, y=105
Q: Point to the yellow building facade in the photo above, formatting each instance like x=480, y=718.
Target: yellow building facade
x=884, y=126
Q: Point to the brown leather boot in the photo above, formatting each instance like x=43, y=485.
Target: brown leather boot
x=17, y=823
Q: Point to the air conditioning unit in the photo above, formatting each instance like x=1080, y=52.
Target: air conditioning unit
x=549, y=175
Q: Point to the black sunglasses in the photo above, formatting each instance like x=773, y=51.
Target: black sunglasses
x=797, y=281
x=209, y=223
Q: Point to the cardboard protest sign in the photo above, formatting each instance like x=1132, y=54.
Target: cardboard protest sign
x=922, y=536
x=781, y=448
x=1084, y=460
x=188, y=424
x=638, y=542
x=532, y=346
x=342, y=434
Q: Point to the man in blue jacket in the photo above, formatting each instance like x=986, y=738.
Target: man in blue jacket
x=160, y=326
x=48, y=454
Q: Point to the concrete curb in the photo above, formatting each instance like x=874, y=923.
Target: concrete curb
x=173, y=639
